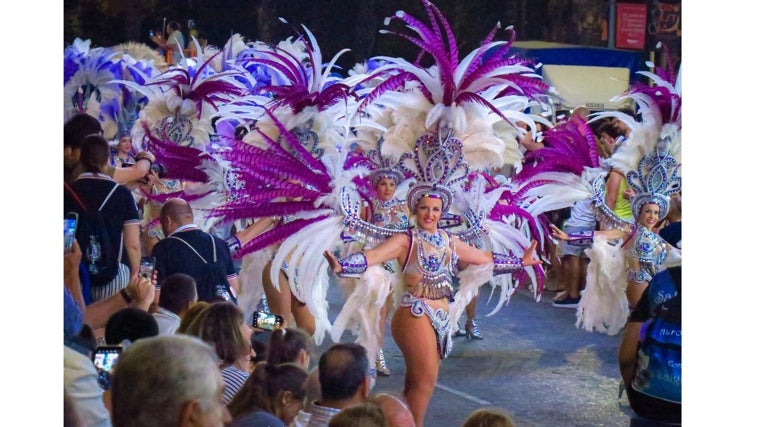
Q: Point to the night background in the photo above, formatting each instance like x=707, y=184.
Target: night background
x=338, y=24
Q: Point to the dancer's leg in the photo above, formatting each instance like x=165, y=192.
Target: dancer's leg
x=416, y=340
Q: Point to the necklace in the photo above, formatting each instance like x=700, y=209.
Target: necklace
x=431, y=251
x=435, y=239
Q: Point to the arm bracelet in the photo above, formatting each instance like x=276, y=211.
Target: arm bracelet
x=581, y=238
x=503, y=263
x=353, y=265
x=234, y=244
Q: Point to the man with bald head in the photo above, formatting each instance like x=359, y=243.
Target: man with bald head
x=189, y=250
x=397, y=413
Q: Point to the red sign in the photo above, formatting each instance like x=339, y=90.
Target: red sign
x=631, y=26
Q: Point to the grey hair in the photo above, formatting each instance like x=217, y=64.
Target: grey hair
x=155, y=377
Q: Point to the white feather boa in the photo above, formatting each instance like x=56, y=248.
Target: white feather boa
x=603, y=306
x=251, y=280
x=360, y=314
x=470, y=280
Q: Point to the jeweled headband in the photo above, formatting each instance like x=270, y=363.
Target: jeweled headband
x=376, y=175
x=382, y=166
x=425, y=190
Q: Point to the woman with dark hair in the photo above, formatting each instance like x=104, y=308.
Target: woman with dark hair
x=290, y=345
x=93, y=191
x=272, y=396
x=223, y=326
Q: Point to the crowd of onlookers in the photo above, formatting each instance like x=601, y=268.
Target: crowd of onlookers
x=189, y=356
x=183, y=353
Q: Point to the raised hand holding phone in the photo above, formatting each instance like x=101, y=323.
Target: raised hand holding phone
x=69, y=230
x=147, y=267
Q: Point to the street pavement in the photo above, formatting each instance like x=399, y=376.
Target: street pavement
x=533, y=363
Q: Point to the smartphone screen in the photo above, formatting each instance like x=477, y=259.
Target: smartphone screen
x=147, y=265
x=268, y=321
x=69, y=230
x=105, y=357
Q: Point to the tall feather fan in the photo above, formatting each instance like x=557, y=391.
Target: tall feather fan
x=452, y=91
x=297, y=83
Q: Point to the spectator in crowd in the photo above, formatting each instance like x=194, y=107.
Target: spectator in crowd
x=365, y=414
x=271, y=396
x=190, y=250
x=290, y=345
x=168, y=381
x=343, y=382
x=313, y=394
x=71, y=417
x=74, y=131
x=222, y=324
x=130, y=324
x=93, y=190
x=173, y=44
x=653, y=390
x=177, y=295
x=396, y=412
x=617, y=193
x=190, y=315
x=80, y=383
x=488, y=417
x=139, y=293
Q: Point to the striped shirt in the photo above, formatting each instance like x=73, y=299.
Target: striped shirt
x=234, y=379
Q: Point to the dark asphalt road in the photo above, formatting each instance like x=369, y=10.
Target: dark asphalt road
x=534, y=363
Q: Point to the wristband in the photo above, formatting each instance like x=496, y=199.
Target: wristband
x=503, y=263
x=353, y=265
x=125, y=295
x=581, y=238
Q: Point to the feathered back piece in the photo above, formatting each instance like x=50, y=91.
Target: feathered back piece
x=437, y=164
x=470, y=96
x=283, y=179
x=664, y=90
x=568, y=147
x=86, y=74
x=183, y=101
x=298, y=82
x=451, y=82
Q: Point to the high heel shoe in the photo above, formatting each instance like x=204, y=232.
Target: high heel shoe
x=460, y=332
x=471, y=330
x=382, y=369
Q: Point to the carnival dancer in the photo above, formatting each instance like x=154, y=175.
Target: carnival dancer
x=429, y=257
x=625, y=256
x=385, y=207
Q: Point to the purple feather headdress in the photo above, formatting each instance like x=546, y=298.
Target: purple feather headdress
x=299, y=83
x=455, y=82
x=568, y=147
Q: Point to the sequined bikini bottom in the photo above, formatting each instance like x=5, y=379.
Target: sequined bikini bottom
x=439, y=318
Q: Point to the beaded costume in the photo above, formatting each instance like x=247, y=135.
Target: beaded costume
x=651, y=157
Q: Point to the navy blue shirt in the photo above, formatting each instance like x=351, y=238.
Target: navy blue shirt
x=173, y=256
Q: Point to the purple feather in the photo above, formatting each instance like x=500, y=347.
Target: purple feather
x=276, y=235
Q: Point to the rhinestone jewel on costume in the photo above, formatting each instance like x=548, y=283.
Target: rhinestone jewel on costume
x=177, y=129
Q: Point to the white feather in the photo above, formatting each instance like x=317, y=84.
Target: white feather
x=603, y=306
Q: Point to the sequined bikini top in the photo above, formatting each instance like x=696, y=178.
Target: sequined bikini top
x=650, y=250
x=433, y=256
x=390, y=214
